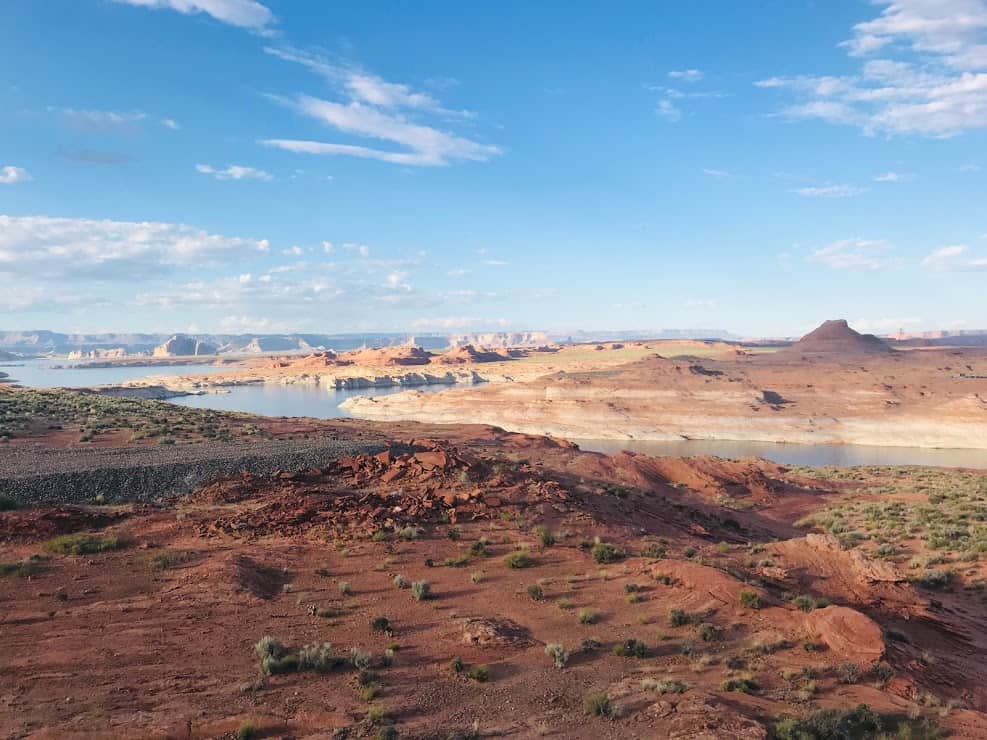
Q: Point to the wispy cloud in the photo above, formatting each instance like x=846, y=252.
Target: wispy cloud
x=248, y=14
x=715, y=173
x=170, y=123
x=931, y=79
x=100, y=120
x=234, y=172
x=853, y=254
x=379, y=110
x=888, y=177
x=829, y=191
x=669, y=111
x=72, y=248
x=955, y=258
x=686, y=75
x=10, y=175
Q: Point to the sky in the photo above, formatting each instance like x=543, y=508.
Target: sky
x=292, y=165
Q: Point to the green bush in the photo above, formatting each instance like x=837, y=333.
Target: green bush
x=535, y=592
x=546, y=538
x=632, y=648
x=400, y=581
x=598, y=705
x=604, y=552
x=479, y=673
x=664, y=686
x=519, y=559
x=380, y=624
x=860, y=722
x=707, y=632
x=678, y=618
x=743, y=685
x=750, y=600
x=247, y=731
x=588, y=616
x=83, y=544
x=558, y=654
x=421, y=590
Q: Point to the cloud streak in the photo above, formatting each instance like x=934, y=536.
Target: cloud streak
x=248, y=14
x=234, y=172
x=10, y=175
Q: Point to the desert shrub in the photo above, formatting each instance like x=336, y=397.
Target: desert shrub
x=808, y=603
x=476, y=576
x=631, y=588
x=707, y=632
x=83, y=544
x=345, y=588
x=750, y=600
x=678, y=618
x=935, y=579
x=653, y=552
x=741, y=684
x=664, y=686
x=318, y=657
x=23, y=568
x=322, y=572
x=387, y=732
x=689, y=552
x=377, y=715
x=604, y=552
x=171, y=559
x=598, y=705
x=387, y=659
x=558, y=654
x=360, y=659
x=421, y=590
x=723, y=548
x=535, y=592
x=457, y=665
x=410, y=533
x=634, y=598
x=882, y=672
x=479, y=673
x=457, y=562
x=380, y=624
x=274, y=657
x=632, y=648
x=400, y=581
x=886, y=550
x=478, y=548
x=247, y=731
x=860, y=722
x=546, y=538
x=847, y=673
x=8, y=503
x=589, y=644
x=453, y=533
x=588, y=616
x=519, y=559
x=380, y=535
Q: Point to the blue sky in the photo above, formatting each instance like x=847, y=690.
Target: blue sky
x=238, y=165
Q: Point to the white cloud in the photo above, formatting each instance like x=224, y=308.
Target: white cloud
x=955, y=258
x=686, y=75
x=888, y=177
x=424, y=146
x=234, y=172
x=830, y=191
x=251, y=325
x=669, y=111
x=379, y=110
x=495, y=263
x=294, y=251
x=932, y=79
x=715, y=173
x=10, y=175
x=100, y=120
x=852, y=254
x=248, y=14
x=170, y=123
x=327, y=247
x=887, y=325
x=43, y=246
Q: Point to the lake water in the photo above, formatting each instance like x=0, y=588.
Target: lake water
x=44, y=374
x=323, y=402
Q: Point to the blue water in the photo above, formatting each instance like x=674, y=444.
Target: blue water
x=320, y=402
x=323, y=402
x=44, y=374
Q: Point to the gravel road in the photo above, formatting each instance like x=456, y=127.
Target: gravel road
x=35, y=475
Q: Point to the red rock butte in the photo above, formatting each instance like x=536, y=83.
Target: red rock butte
x=836, y=336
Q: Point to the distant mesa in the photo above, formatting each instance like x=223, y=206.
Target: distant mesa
x=467, y=354
x=502, y=339
x=389, y=356
x=115, y=353
x=181, y=345
x=836, y=336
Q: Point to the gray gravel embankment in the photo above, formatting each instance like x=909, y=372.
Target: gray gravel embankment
x=36, y=475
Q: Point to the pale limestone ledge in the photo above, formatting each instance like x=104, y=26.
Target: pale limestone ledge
x=220, y=383
x=575, y=420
